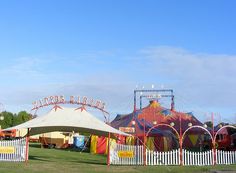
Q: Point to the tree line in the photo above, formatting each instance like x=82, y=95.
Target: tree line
x=8, y=119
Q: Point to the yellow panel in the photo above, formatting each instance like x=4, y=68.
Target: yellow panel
x=93, y=145
x=106, y=146
x=150, y=143
x=165, y=144
x=7, y=150
x=193, y=139
x=130, y=140
x=125, y=154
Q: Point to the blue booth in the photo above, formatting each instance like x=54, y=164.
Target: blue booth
x=79, y=141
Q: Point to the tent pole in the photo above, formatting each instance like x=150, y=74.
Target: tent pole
x=144, y=140
x=180, y=140
x=213, y=143
x=27, y=147
x=108, y=152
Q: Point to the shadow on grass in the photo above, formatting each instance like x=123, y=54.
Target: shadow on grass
x=79, y=159
x=90, y=162
x=47, y=159
x=42, y=159
x=76, y=156
x=72, y=149
x=35, y=145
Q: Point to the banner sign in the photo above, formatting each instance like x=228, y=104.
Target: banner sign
x=7, y=150
x=125, y=154
x=54, y=100
x=127, y=129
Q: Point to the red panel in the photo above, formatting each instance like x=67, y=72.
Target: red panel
x=121, y=139
x=101, y=145
x=159, y=143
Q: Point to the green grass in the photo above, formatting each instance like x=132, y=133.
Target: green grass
x=60, y=161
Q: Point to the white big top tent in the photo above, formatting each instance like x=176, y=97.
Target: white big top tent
x=67, y=120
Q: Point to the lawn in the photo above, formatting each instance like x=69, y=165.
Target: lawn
x=60, y=161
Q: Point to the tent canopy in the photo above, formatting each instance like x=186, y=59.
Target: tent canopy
x=155, y=112
x=68, y=120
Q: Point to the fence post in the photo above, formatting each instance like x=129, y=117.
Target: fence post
x=27, y=147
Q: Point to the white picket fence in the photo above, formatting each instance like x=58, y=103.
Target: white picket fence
x=163, y=158
x=13, y=150
x=132, y=155
x=198, y=158
x=225, y=157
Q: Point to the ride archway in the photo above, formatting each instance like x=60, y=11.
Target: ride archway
x=202, y=142
x=226, y=146
x=173, y=143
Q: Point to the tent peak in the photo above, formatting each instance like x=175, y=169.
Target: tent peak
x=154, y=104
x=82, y=108
x=56, y=107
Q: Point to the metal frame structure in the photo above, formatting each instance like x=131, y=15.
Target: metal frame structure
x=157, y=97
x=135, y=109
x=151, y=91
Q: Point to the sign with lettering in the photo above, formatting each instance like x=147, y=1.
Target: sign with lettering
x=7, y=150
x=54, y=100
x=84, y=101
x=125, y=154
x=127, y=129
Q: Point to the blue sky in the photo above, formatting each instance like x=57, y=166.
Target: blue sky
x=103, y=49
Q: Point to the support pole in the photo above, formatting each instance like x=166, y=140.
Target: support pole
x=144, y=140
x=134, y=104
x=27, y=147
x=134, y=117
x=180, y=140
x=108, y=152
x=172, y=102
x=140, y=103
x=213, y=141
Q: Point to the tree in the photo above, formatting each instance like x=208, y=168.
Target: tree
x=209, y=124
x=8, y=119
x=22, y=117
